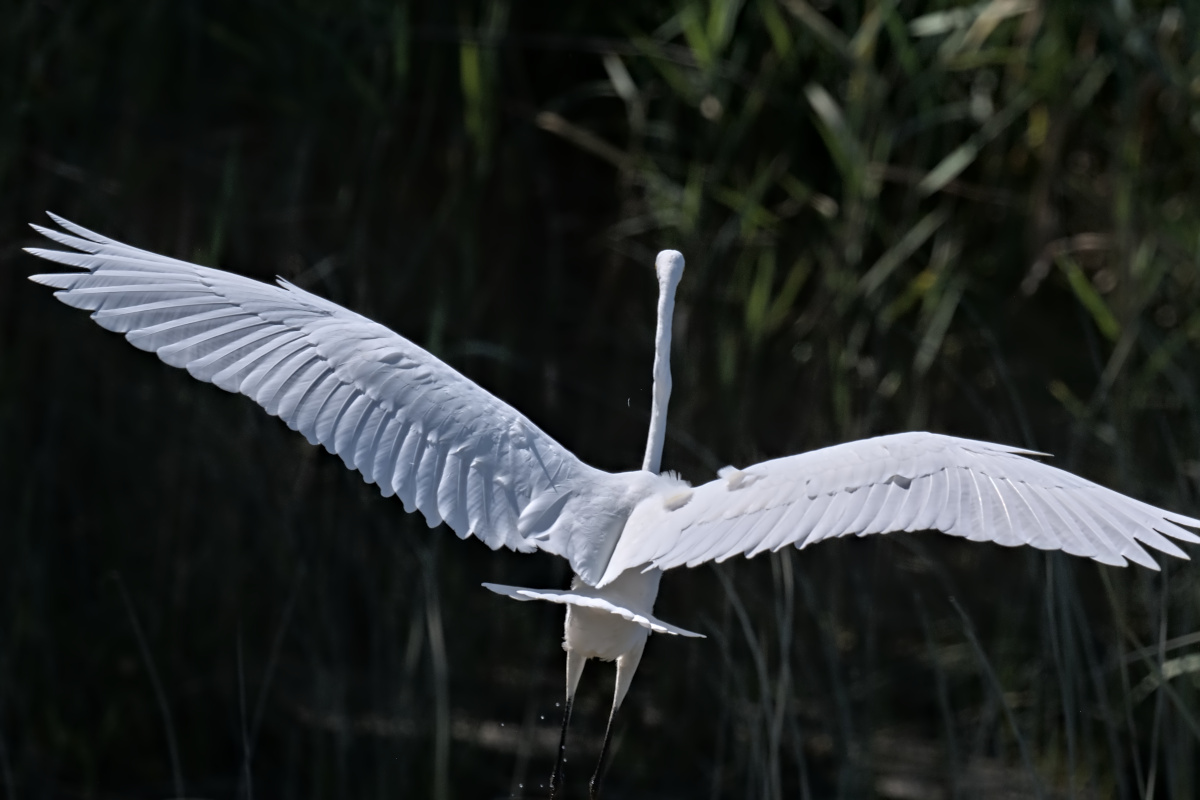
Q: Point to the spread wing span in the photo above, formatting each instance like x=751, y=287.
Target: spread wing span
x=903, y=482
x=404, y=419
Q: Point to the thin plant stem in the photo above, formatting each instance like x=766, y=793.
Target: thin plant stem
x=160, y=696
x=998, y=689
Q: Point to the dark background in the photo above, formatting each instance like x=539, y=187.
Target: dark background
x=972, y=219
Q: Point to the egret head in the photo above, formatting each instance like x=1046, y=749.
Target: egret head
x=669, y=266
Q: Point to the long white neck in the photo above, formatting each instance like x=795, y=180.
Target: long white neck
x=669, y=266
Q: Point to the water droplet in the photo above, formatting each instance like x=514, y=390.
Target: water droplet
x=501, y=724
x=543, y=716
x=556, y=705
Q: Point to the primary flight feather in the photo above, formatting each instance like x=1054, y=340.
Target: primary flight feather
x=447, y=448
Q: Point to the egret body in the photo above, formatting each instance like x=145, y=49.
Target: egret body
x=598, y=633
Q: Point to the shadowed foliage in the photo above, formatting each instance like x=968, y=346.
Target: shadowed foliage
x=978, y=219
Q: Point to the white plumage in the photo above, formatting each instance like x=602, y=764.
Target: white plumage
x=903, y=482
x=420, y=430
x=404, y=419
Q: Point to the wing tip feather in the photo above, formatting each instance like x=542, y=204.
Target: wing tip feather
x=54, y=280
x=78, y=230
x=1186, y=522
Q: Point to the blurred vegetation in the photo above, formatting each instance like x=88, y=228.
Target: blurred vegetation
x=979, y=219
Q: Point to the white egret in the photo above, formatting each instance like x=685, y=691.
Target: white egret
x=452, y=451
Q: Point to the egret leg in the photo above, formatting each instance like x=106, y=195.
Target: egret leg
x=557, y=775
x=575, y=664
x=594, y=786
x=626, y=666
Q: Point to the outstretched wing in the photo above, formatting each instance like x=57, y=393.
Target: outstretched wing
x=401, y=417
x=590, y=599
x=904, y=482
